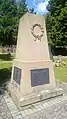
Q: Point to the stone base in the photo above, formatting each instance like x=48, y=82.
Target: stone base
x=21, y=100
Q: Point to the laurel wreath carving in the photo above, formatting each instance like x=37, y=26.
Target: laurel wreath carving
x=37, y=36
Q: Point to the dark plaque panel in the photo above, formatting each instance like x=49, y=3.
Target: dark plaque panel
x=39, y=77
x=17, y=75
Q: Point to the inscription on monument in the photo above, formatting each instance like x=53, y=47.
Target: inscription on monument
x=17, y=75
x=39, y=77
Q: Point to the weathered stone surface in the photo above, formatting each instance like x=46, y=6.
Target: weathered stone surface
x=54, y=108
x=4, y=110
x=32, y=70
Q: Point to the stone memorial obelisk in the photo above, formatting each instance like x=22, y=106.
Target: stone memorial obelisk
x=32, y=77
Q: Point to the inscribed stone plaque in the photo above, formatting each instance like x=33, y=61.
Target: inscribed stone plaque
x=39, y=77
x=17, y=75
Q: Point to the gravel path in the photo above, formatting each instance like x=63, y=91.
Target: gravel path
x=54, y=108
x=4, y=110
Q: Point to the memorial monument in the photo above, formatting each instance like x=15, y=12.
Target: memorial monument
x=32, y=77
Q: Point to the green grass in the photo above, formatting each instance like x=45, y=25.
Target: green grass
x=61, y=71
x=5, y=67
x=61, y=74
x=6, y=57
x=5, y=72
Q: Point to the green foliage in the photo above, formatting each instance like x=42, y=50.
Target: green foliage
x=10, y=13
x=56, y=21
x=22, y=9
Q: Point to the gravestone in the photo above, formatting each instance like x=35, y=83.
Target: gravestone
x=60, y=58
x=32, y=77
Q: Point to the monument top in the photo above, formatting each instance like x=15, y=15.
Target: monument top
x=32, y=39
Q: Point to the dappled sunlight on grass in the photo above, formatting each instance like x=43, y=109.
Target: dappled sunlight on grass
x=5, y=75
x=5, y=65
x=5, y=72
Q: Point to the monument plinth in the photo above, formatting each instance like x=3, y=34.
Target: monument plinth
x=32, y=73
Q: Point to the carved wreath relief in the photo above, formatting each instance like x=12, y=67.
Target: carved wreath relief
x=39, y=35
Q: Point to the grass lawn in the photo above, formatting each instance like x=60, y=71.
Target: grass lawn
x=6, y=57
x=61, y=73
x=5, y=67
x=5, y=72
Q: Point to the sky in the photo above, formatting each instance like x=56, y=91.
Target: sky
x=38, y=5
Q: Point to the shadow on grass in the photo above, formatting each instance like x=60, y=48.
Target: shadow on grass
x=6, y=57
x=5, y=75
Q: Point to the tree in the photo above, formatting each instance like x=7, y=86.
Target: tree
x=22, y=8
x=56, y=21
x=31, y=10
x=10, y=13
